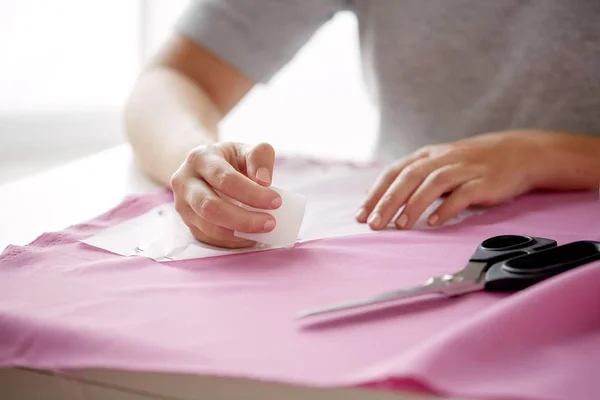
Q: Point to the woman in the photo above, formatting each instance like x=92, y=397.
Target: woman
x=481, y=101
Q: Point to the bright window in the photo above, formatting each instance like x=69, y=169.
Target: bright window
x=73, y=63
x=67, y=54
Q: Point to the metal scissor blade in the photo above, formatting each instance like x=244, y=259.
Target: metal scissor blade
x=432, y=285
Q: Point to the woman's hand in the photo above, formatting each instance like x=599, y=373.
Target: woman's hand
x=237, y=171
x=484, y=170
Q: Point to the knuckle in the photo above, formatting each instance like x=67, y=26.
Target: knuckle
x=194, y=158
x=390, y=173
x=388, y=198
x=222, y=149
x=177, y=182
x=412, y=172
x=440, y=176
x=207, y=208
x=197, y=156
x=424, y=150
x=220, y=146
x=225, y=180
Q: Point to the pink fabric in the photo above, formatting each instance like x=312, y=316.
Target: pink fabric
x=64, y=304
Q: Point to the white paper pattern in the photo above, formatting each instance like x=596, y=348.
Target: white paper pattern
x=334, y=193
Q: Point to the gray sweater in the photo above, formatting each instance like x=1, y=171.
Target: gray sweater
x=438, y=70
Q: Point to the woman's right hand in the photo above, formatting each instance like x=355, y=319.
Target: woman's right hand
x=239, y=171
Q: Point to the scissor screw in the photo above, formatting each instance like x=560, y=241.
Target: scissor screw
x=452, y=278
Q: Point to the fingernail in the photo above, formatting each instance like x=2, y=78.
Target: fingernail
x=375, y=220
x=269, y=225
x=360, y=214
x=263, y=175
x=433, y=219
x=276, y=203
x=402, y=220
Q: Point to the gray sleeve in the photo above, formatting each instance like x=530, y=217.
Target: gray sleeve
x=258, y=37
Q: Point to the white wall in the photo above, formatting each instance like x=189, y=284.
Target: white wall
x=66, y=67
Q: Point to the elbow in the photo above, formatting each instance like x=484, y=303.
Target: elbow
x=131, y=118
x=134, y=121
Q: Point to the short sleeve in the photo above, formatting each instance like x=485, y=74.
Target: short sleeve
x=258, y=37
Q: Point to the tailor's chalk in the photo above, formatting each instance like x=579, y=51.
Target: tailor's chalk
x=288, y=220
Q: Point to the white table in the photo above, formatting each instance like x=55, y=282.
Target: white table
x=78, y=191
x=68, y=194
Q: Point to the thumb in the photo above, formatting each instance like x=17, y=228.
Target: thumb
x=260, y=160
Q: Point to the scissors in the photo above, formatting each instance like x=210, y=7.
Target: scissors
x=499, y=263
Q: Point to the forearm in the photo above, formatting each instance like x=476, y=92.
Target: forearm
x=572, y=162
x=166, y=116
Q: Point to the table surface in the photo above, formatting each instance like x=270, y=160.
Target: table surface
x=78, y=191
x=69, y=194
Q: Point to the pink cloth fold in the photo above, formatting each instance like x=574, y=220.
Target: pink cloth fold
x=64, y=304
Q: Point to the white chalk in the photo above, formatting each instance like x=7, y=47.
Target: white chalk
x=288, y=220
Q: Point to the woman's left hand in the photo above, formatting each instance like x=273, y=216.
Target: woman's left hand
x=484, y=170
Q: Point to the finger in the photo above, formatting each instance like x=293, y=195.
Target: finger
x=260, y=160
x=222, y=176
x=437, y=183
x=207, y=232
x=471, y=192
x=382, y=183
x=212, y=208
x=400, y=190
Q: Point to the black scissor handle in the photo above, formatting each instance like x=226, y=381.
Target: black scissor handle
x=526, y=270
x=503, y=247
x=506, y=242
